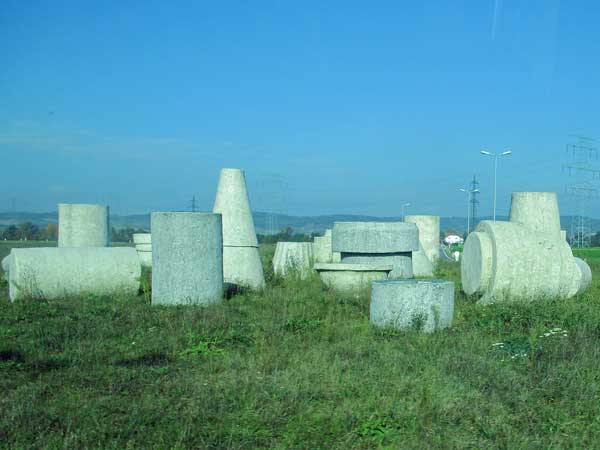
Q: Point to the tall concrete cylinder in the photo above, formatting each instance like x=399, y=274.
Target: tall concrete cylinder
x=81, y=225
x=429, y=235
x=537, y=211
x=53, y=273
x=241, y=260
x=187, y=258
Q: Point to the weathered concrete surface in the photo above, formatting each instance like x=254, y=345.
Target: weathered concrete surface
x=81, y=225
x=504, y=261
x=52, y=273
x=375, y=237
x=429, y=235
x=5, y=266
x=143, y=246
x=402, y=263
x=563, y=235
x=293, y=257
x=323, y=249
x=425, y=305
x=243, y=267
x=537, y=211
x=586, y=275
x=241, y=260
x=421, y=265
x=351, y=277
x=187, y=258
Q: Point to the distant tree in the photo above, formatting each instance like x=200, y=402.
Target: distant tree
x=11, y=233
x=595, y=241
x=28, y=231
x=50, y=233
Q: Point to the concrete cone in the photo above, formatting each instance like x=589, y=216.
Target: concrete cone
x=241, y=260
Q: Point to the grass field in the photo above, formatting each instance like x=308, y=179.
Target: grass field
x=298, y=367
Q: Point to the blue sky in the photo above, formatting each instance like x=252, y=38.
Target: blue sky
x=330, y=107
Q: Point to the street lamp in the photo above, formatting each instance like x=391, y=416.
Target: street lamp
x=406, y=205
x=495, y=156
x=469, y=193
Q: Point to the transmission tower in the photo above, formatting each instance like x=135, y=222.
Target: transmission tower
x=582, y=154
x=193, y=205
x=474, y=200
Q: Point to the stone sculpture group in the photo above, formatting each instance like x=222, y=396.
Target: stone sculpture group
x=194, y=255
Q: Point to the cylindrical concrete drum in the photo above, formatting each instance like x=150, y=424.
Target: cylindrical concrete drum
x=143, y=246
x=422, y=305
x=187, y=258
x=81, y=225
x=505, y=260
x=538, y=211
x=293, y=257
x=52, y=273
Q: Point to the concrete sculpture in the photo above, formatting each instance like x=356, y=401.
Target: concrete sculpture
x=143, y=246
x=525, y=257
x=241, y=260
x=187, y=258
x=381, y=243
x=346, y=277
x=81, y=225
x=423, y=305
x=323, y=250
x=52, y=273
x=425, y=259
x=293, y=257
x=6, y=266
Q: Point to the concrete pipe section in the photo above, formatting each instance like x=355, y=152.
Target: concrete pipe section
x=81, y=225
x=387, y=243
x=524, y=259
x=422, y=305
x=241, y=260
x=143, y=246
x=346, y=278
x=54, y=273
x=187, y=258
x=293, y=257
x=425, y=259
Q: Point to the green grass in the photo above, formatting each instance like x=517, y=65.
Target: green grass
x=297, y=366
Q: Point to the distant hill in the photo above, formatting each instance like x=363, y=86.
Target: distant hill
x=265, y=223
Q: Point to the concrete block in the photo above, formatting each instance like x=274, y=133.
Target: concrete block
x=293, y=257
x=428, y=254
x=142, y=238
x=351, y=277
x=81, y=225
x=187, y=258
x=425, y=305
x=53, y=273
x=241, y=260
x=375, y=237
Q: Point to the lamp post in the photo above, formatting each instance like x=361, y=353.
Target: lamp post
x=469, y=193
x=495, y=156
x=404, y=206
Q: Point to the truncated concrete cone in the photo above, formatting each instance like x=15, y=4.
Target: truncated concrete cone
x=241, y=260
x=537, y=211
x=81, y=225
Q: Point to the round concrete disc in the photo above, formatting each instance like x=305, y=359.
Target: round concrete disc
x=476, y=266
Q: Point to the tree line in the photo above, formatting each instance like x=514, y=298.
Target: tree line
x=28, y=231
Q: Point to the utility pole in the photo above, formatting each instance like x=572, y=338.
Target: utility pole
x=470, y=193
x=474, y=200
x=495, y=156
x=582, y=154
x=193, y=206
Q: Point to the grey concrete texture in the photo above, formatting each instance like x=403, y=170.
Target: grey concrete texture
x=375, y=237
x=142, y=238
x=5, y=266
x=323, y=249
x=293, y=257
x=233, y=204
x=82, y=225
x=187, y=258
x=423, y=305
x=242, y=266
x=537, y=211
x=53, y=273
x=586, y=275
x=143, y=246
x=429, y=237
x=402, y=263
x=509, y=261
x=351, y=278
x=421, y=264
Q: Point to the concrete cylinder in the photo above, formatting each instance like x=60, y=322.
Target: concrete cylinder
x=429, y=235
x=351, y=278
x=402, y=263
x=53, y=273
x=143, y=246
x=423, y=305
x=293, y=257
x=187, y=258
x=241, y=260
x=586, y=275
x=503, y=260
x=81, y=225
x=537, y=211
